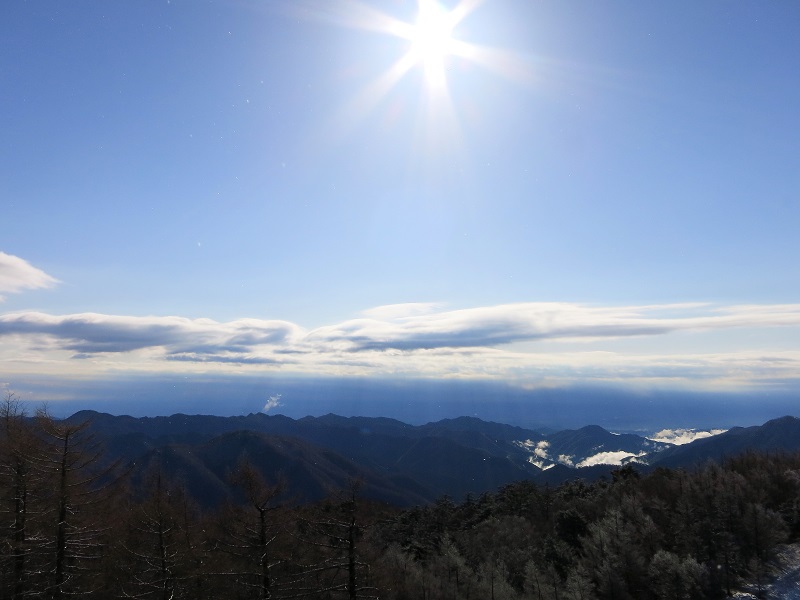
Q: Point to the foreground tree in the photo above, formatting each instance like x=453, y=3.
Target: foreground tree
x=74, y=514
x=158, y=558
x=249, y=533
x=334, y=531
x=20, y=483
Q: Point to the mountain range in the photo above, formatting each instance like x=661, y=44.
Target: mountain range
x=400, y=464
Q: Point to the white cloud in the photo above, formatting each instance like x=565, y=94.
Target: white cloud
x=539, y=455
x=607, y=458
x=540, y=449
x=422, y=340
x=272, y=402
x=93, y=333
x=683, y=436
x=401, y=311
x=566, y=459
x=534, y=321
x=17, y=274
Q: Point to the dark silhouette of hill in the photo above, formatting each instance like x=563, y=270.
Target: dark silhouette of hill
x=558, y=474
x=308, y=473
x=453, y=469
x=497, y=431
x=592, y=439
x=399, y=463
x=777, y=435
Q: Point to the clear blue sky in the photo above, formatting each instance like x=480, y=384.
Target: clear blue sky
x=593, y=192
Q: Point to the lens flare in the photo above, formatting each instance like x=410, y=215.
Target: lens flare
x=431, y=40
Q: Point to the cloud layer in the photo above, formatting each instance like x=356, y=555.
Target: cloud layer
x=534, y=321
x=17, y=275
x=426, y=340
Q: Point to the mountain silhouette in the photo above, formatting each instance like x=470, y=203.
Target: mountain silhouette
x=398, y=463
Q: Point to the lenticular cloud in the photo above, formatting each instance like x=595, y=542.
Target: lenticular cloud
x=421, y=340
x=483, y=327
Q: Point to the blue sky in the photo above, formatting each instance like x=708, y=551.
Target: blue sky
x=587, y=193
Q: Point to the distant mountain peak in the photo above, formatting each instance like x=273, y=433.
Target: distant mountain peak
x=782, y=421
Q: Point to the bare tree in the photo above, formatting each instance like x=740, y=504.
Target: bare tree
x=336, y=530
x=74, y=519
x=250, y=532
x=160, y=548
x=18, y=482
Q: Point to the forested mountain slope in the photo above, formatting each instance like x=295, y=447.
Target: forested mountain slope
x=401, y=463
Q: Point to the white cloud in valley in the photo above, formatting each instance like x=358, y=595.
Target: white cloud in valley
x=683, y=436
x=540, y=454
x=608, y=458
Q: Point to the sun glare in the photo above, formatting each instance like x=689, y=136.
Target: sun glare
x=431, y=39
x=430, y=42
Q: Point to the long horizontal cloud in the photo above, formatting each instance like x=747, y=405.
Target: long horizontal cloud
x=503, y=324
x=17, y=274
x=91, y=333
x=423, y=340
x=485, y=327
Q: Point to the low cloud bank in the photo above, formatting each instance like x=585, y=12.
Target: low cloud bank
x=683, y=436
x=608, y=458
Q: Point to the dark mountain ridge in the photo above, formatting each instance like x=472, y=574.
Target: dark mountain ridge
x=308, y=473
x=592, y=439
x=777, y=435
x=399, y=463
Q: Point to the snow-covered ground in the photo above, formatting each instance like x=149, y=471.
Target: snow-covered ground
x=786, y=573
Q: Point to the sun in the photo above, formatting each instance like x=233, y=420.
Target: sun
x=431, y=38
x=431, y=44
